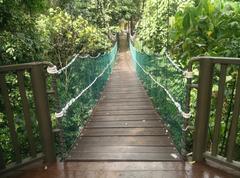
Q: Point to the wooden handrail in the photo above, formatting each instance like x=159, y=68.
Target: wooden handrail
x=39, y=89
x=206, y=68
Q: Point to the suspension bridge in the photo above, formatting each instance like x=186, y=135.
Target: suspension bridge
x=124, y=125
x=108, y=125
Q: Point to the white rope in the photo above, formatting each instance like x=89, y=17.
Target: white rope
x=132, y=37
x=65, y=108
x=188, y=128
x=54, y=70
x=112, y=37
x=173, y=63
x=186, y=74
x=178, y=106
x=92, y=57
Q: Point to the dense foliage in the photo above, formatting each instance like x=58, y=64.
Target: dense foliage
x=18, y=35
x=107, y=13
x=194, y=28
x=64, y=35
x=53, y=36
x=152, y=30
x=206, y=29
x=54, y=30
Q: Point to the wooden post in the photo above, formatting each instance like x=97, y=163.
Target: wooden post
x=10, y=119
x=234, y=124
x=219, y=107
x=26, y=112
x=43, y=113
x=2, y=162
x=203, y=108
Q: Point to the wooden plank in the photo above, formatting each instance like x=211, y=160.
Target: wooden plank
x=26, y=111
x=117, y=89
x=124, y=131
x=103, y=103
x=123, y=107
x=114, y=100
x=119, y=76
x=124, y=156
x=116, y=79
x=119, y=92
x=10, y=118
x=124, y=112
x=124, y=84
x=126, y=166
x=126, y=141
x=123, y=149
x=120, y=80
x=122, y=77
x=128, y=124
x=25, y=162
x=126, y=117
x=124, y=96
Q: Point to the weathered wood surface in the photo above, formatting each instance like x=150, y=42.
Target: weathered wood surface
x=118, y=168
x=124, y=125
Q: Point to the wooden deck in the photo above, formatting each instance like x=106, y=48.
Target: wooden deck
x=124, y=125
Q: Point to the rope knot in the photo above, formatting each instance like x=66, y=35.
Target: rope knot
x=59, y=114
x=186, y=115
x=52, y=69
x=188, y=74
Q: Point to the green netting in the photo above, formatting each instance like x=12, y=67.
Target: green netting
x=72, y=81
x=167, y=79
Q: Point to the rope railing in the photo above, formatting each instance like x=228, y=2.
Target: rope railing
x=53, y=69
x=173, y=63
x=185, y=73
x=69, y=103
x=166, y=85
x=78, y=86
x=178, y=106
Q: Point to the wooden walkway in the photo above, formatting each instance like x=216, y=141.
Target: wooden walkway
x=124, y=125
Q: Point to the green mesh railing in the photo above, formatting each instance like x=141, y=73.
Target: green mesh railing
x=79, y=87
x=166, y=86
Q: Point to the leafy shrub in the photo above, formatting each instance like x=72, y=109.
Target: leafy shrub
x=64, y=35
x=20, y=42
x=210, y=28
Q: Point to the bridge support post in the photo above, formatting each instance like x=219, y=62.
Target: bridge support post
x=2, y=162
x=43, y=113
x=203, y=108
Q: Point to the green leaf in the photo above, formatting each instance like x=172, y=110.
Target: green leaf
x=186, y=22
